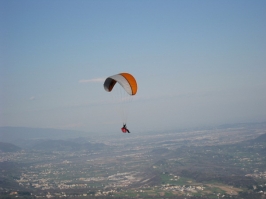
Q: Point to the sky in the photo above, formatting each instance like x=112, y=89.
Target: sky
x=197, y=63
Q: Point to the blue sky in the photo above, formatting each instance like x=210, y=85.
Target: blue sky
x=197, y=63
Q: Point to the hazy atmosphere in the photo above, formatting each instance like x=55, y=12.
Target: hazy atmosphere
x=197, y=63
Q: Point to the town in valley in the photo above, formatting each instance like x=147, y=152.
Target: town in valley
x=223, y=162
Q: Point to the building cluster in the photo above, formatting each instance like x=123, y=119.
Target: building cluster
x=182, y=188
x=257, y=175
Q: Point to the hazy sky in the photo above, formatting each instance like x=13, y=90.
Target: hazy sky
x=197, y=63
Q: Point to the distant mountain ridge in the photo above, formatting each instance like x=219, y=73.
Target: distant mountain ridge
x=21, y=136
x=7, y=147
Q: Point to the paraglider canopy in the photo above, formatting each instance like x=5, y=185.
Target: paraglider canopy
x=126, y=80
